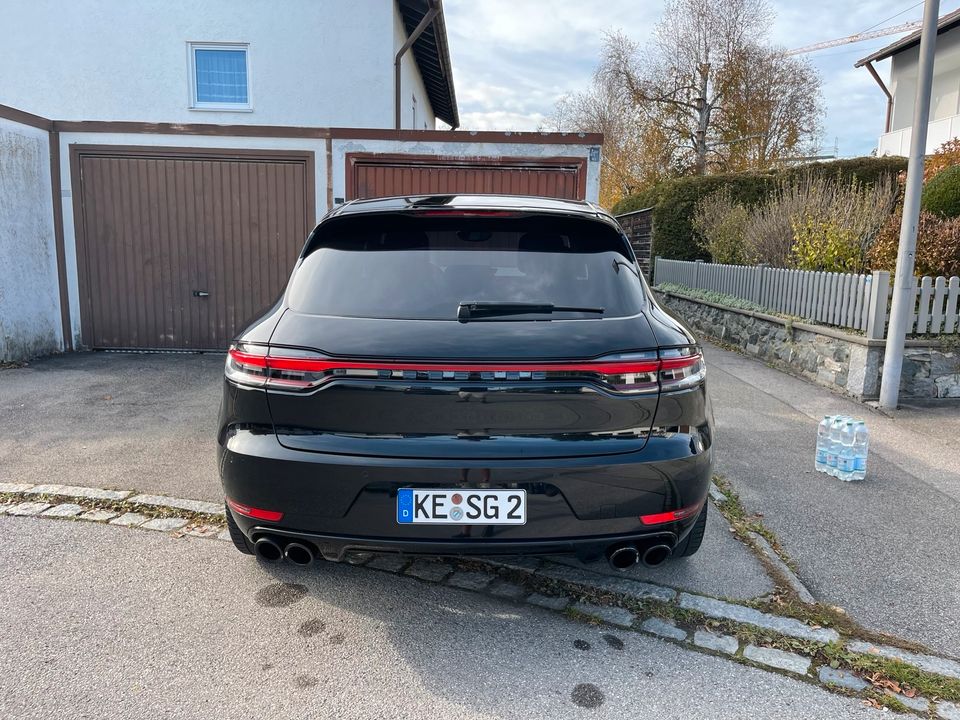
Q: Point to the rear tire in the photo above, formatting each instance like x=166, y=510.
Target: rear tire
x=694, y=539
x=240, y=541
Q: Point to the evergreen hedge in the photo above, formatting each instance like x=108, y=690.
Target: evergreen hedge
x=941, y=194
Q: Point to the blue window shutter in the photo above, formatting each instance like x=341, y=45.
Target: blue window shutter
x=221, y=76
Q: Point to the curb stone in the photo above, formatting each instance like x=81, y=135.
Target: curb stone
x=948, y=711
x=63, y=510
x=388, y=563
x=842, y=678
x=783, y=625
x=930, y=663
x=26, y=509
x=608, y=613
x=6, y=487
x=508, y=590
x=77, y=491
x=917, y=704
x=789, y=575
x=637, y=589
x=429, y=570
x=548, y=601
x=197, y=506
x=98, y=515
x=165, y=524
x=780, y=659
x=469, y=580
x=714, y=641
x=663, y=628
x=130, y=519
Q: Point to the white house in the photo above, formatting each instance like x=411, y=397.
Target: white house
x=162, y=162
x=902, y=89
x=300, y=62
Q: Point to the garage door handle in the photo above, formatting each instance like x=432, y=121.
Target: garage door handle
x=201, y=293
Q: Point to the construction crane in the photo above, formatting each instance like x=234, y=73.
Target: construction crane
x=892, y=30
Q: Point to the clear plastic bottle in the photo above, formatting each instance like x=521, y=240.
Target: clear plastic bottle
x=823, y=443
x=861, y=446
x=846, y=461
x=835, y=446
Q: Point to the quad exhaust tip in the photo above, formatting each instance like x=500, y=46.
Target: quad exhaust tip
x=624, y=557
x=298, y=554
x=268, y=550
x=656, y=555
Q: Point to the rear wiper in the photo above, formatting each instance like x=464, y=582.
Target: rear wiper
x=468, y=310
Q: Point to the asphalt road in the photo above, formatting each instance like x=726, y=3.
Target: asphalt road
x=885, y=549
x=99, y=621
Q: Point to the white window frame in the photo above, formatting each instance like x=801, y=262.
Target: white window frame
x=195, y=104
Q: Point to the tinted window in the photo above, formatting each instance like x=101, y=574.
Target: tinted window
x=422, y=268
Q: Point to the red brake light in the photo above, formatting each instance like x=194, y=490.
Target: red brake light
x=671, y=516
x=255, y=513
x=453, y=212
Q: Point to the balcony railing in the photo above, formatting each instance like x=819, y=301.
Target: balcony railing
x=938, y=132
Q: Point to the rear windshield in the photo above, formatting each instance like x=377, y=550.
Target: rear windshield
x=395, y=266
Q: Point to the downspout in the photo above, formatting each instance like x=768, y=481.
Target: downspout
x=425, y=22
x=886, y=127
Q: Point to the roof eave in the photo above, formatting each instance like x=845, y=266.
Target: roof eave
x=946, y=23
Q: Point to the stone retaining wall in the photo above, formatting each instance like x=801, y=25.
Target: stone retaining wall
x=830, y=357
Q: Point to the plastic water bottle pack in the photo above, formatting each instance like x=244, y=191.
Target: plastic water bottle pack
x=842, y=446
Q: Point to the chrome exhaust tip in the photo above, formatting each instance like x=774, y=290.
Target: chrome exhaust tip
x=622, y=557
x=656, y=555
x=268, y=550
x=298, y=554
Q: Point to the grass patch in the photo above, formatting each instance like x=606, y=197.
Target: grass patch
x=893, y=675
x=576, y=615
x=743, y=523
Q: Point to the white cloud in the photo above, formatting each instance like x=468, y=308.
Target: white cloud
x=500, y=120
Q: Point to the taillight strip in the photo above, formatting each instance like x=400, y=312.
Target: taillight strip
x=297, y=364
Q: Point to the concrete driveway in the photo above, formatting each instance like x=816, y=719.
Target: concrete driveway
x=885, y=550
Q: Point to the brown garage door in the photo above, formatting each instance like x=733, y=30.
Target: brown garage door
x=372, y=175
x=180, y=248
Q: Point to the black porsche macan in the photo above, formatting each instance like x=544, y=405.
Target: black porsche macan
x=466, y=374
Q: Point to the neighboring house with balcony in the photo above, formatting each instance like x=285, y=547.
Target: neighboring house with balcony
x=161, y=163
x=901, y=91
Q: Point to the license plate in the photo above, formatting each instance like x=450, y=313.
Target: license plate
x=462, y=507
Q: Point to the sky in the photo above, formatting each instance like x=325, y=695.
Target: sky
x=512, y=59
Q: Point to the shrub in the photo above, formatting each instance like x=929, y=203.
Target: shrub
x=718, y=221
x=673, y=205
x=769, y=231
x=941, y=194
x=839, y=223
x=864, y=170
x=945, y=156
x=673, y=201
x=938, y=245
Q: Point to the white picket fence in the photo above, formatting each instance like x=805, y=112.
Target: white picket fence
x=847, y=300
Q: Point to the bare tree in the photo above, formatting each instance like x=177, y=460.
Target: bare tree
x=635, y=154
x=683, y=81
x=772, y=109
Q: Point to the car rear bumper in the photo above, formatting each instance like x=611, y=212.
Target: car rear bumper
x=581, y=505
